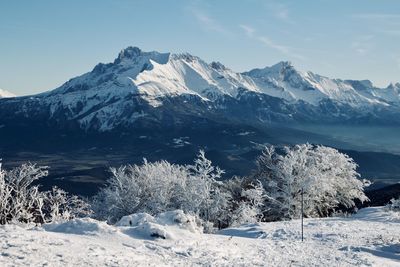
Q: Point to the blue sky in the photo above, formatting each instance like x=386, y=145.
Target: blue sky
x=43, y=43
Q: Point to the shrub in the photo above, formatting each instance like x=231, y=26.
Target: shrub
x=20, y=201
x=393, y=205
x=246, y=203
x=161, y=186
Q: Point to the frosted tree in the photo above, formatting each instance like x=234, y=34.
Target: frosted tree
x=326, y=178
x=343, y=184
x=206, y=176
x=278, y=187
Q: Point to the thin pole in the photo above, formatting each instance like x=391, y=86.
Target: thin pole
x=302, y=215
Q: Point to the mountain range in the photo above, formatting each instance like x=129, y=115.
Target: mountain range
x=162, y=88
x=167, y=106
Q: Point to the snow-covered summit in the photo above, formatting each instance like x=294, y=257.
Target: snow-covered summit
x=187, y=74
x=390, y=94
x=277, y=69
x=135, y=54
x=285, y=81
x=4, y=94
x=128, y=53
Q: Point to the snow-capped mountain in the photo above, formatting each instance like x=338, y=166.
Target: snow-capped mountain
x=152, y=88
x=284, y=81
x=4, y=94
x=154, y=74
x=390, y=94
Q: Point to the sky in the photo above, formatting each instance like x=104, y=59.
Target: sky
x=44, y=43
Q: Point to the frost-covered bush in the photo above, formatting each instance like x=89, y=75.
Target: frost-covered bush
x=161, y=186
x=327, y=178
x=246, y=202
x=60, y=206
x=393, y=205
x=150, y=187
x=20, y=201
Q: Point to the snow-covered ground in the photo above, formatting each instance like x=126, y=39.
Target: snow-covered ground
x=369, y=238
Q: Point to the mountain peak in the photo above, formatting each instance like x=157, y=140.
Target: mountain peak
x=282, y=65
x=129, y=53
x=186, y=57
x=280, y=68
x=360, y=85
x=284, y=68
x=4, y=94
x=367, y=83
x=393, y=86
x=217, y=65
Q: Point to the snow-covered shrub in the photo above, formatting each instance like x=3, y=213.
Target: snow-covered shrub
x=246, y=201
x=161, y=186
x=60, y=206
x=150, y=187
x=393, y=205
x=20, y=201
x=5, y=196
x=326, y=178
x=251, y=204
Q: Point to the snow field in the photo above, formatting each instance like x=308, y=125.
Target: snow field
x=370, y=238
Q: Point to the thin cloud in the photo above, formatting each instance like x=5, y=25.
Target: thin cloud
x=248, y=30
x=208, y=23
x=268, y=42
x=363, y=44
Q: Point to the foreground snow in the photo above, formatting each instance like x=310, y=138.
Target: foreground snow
x=370, y=238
